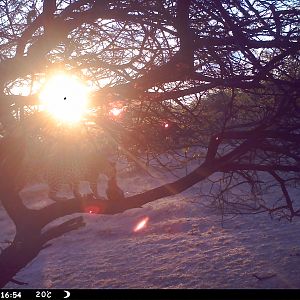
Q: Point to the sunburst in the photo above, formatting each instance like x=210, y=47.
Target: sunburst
x=65, y=98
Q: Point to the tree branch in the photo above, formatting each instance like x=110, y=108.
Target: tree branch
x=63, y=228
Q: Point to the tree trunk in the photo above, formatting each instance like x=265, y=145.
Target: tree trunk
x=17, y=256
x=27, y=244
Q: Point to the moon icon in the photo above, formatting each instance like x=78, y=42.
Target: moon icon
x=68, y=294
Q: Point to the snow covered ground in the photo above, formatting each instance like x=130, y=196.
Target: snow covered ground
x=183, y=246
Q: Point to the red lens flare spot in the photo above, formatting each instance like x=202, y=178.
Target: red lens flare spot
x=115, y=111
x=92, y=209
x=140, y=225
x=166, y=125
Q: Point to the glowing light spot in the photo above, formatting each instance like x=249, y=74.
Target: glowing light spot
x=92, y=209
x=140, y=225
x=65, y=98
x=115, y=111
x=166, y=125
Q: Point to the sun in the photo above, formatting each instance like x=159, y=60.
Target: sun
x=65, y=98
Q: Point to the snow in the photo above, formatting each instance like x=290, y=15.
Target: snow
x=183, y=245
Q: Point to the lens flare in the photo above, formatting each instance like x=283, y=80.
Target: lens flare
x=140, y=225
x=91, y=209
x=115, y=111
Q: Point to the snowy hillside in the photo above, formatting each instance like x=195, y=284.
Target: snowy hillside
x=183, y=246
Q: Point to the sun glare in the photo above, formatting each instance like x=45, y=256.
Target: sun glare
x=65, y=98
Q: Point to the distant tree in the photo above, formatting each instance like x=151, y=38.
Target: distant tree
x=219, y=77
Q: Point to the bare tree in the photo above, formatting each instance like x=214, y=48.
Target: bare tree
x=220, y=77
